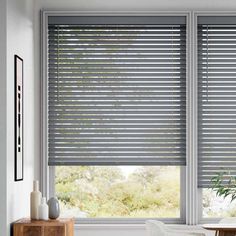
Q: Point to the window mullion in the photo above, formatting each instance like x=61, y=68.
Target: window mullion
x=191, y=168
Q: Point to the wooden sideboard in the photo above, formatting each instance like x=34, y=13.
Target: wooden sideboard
x=59, y=227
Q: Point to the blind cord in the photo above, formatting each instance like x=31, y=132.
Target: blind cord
x=207, y=64
x=57, y=63
x=172, y=71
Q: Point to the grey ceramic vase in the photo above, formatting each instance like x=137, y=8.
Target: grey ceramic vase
x=53, y=208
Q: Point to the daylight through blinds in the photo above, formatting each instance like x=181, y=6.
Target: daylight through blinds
x=117, y=93
x=216, y=97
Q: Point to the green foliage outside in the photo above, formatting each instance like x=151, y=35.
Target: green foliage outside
x=224, y=185
x=219, y=200
x=106, y=191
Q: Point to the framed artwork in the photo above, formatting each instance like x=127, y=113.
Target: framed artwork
x=19, y=157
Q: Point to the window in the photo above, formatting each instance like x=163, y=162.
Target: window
x=216, y=107
x=215, y=206
x=119, y=191
x=121, y=117
x=116, y=118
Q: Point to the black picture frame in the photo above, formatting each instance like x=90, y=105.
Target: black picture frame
x=19, y=118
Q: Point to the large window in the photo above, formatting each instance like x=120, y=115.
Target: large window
x=117, y=115
x=139, y=113
x=216, y=108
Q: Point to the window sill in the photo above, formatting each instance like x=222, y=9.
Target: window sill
x=134, y=226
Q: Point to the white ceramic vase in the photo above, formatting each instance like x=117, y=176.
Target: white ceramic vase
x=35, y=200
x=43, y=210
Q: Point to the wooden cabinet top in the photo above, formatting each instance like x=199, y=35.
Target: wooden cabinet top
x=58, y=227
x=60, y=221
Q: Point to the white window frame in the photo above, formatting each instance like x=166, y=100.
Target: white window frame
x=196, y=14
x=48, y=173
x=191, y=196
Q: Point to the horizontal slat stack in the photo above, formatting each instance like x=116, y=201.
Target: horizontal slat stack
x=117, y=94
x=217, y=101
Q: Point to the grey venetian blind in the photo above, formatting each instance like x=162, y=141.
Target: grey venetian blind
x=216, y=97
x=117, y=90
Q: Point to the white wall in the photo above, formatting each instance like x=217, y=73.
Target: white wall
x=3, y=116
x=110, y=230
x=116, y=5
x=137, y=5
x=18, y=36
x=19, y=41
